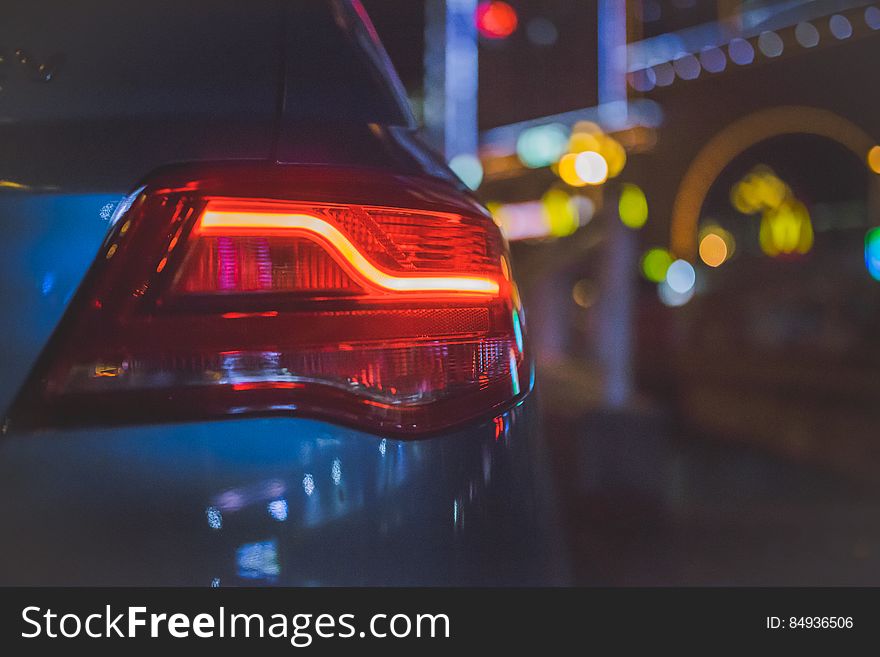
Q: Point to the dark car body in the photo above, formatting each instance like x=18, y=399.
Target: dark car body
x=97, y=95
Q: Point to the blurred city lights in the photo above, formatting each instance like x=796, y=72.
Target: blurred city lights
x=741, y=51
x=759, y=190
x=713, y=60
x=655, y=264
x=671, y=297
x=560, y=213
x=584, y=138
x=632, y=206
x=643, y=80
x=593, y=158
x=874, y=159
x=770, y=44
x=468, y=168
x=716, y=246
x=807, y=35
x=687, y=67
x=520, y=221
x=542, y=145
x=713, y=250
x=681, y=277
x=584, y=293
x=872, y=253
x=664, y=74
x=872, y=18
x=557, y=215
x=840, y=27
x=591, y=167
x=614, y=154
x=786, y=229
x=496, y=20
x=567, y=171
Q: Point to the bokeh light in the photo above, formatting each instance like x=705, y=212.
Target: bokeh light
x=591, y=167
x=681, y=277
x=632, y=206
x=671, y=297
x=874, y=159
x=770, y=44
x=713, y=60
x=872, y=18
x=840, y=27
x=614, y=154
x=643, y=80
x=872, y=253
x=687, y=67
x=655, y=264
x=468, y=168
x=560, y=213
x=741, y=52
x=584, y=138
x=759, y=190
x=713, y=250
x=585, y=293
x=807, y=35
x=786, y=229
x=664, y=74
x=496, y=19
x=567, y=171
x=542, y=145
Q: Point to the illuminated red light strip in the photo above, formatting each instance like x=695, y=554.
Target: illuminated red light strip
x=225, y=222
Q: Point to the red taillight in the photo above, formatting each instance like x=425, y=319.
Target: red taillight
x=250, y=246
x=377, y=300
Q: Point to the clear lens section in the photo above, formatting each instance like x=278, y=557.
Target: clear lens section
x=236, y=264
x=391, y=374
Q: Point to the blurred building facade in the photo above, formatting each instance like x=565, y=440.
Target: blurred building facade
x=690, y=190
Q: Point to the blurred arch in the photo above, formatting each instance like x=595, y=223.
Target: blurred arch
x=734, y=140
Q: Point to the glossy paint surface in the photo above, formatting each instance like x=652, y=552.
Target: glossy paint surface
x=273, y=501
x=284, y=501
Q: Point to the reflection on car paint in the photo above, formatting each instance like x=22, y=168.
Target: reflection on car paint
x=260, y=561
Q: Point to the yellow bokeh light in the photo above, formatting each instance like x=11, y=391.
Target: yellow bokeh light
x=583, y=141
x=589, y=127
x=632, y=206
x=713, y=250
x=786, y=230
x=760, y=190
x=567, y=171
x=874, y=159
x=560, y=213
x=614, y=154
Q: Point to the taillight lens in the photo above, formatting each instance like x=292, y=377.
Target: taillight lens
x=373, y=299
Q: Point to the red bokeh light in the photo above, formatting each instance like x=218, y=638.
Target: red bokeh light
x=496, y=20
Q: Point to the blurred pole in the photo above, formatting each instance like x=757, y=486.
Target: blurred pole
x=617, y=316
x=617, y=280
x=612, y=60
x=451, y=76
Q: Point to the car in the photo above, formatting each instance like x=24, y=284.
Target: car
x=256, y=332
